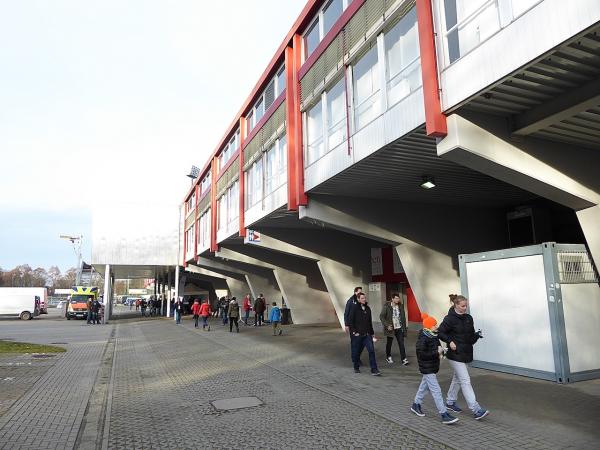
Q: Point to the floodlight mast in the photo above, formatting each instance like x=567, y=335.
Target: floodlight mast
x=77, y=241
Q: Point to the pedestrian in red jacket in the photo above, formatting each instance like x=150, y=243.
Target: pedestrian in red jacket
x=247, y=306
x=196, y=312
x=205, y=313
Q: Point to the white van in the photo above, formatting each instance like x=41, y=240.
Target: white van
x=23, y=306
x=40, y=292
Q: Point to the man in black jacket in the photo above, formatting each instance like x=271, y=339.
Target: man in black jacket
x=361, y=333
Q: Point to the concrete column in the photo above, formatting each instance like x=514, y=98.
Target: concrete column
x=258, y=285
x=176, y=287
x=107, y=296
x=589, y=219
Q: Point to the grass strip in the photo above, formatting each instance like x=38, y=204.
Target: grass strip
x=24, y=347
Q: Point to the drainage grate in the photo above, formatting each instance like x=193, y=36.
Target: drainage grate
x=236, y=403
x=43, y=355
x=59, y=343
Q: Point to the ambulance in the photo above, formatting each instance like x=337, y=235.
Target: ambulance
x=77, y=304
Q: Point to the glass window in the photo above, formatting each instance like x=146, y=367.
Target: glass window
x=403, y=65
x=311, y=39
x=233, y=197
x=314, y=130
x=258, y=111
x=282, y=160
x=254, y=185
x=331, y=13
x=336, y=115
x=250, y=121
x=468, y=23
x=237, y=139
x=270, y=170
x=280, y=81
x=367, y=101
x=222, y=212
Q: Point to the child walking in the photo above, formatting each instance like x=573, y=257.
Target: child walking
x=275, y=319
x=429, y=352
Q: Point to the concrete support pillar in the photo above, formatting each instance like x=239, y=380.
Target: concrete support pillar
x=589, y=219
x=176, y=287
x=107, y=295
x=259, y=284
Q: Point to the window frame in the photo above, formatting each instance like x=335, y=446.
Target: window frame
x=319, y=16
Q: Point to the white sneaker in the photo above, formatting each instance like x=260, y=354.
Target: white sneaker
x=389, y=360
x=405, y=362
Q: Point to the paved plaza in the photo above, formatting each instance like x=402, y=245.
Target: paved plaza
x=148, y=383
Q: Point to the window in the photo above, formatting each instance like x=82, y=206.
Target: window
x=204, y=230
x=258, y=111
x=311, y=39
x=282, y=160
x=233, y=202
x=254, y=183
x=270, y=168
x=314, y=131
x=205, y=184
x=280, y=81
x=222, y=212
x=336, y=115
x=250, y=121
x=270, y=94
x=367, y=101
x=403, y=65
x=323, y=23
x=468, y=23
x=331, y=13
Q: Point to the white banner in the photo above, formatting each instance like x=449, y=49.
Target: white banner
x=376, y=262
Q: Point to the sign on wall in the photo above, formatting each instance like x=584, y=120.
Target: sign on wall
x=376, y=262
x=251, y=236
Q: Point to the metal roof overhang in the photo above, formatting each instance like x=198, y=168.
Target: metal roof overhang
x=556, y=97
x=396, y=171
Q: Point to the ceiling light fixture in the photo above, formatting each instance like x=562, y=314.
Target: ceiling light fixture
x=428, y=182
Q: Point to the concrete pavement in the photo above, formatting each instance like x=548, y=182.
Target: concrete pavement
x=150, y=383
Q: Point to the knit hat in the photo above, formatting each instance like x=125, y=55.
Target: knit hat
x=428, y=321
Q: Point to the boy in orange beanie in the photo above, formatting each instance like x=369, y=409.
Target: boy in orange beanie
x=429, y=351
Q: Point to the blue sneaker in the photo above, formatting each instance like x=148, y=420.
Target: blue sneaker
x=453, y=407
x=447, y=419
x=416, y=408
x=481, y=414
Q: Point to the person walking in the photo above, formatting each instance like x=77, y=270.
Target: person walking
x=178, y=307
x=196, y=312
x=88, y=305
x=95, y=309
x=143, y=306
x=393, y=320
x=351, y=303
x=247, y=306
x=429, y=352
x=361, y=332
x=234, y=314
x=458, y=331
x=260, y=304
x=205, y=314
x=275, y=319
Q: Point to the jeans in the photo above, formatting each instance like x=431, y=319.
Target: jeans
x=196, y=317
x=232, y=321
x=89, y=317
x=430, y=383
x=246, y=316
x=360, y=342
x=400, y=338
x=224, y=315
x=276, y=327
x=461, y=380
x=204, y=322
x=177, y=316
x=259, y=318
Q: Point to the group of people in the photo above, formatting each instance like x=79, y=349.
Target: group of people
x=457, y=331
x=229, y=311
x=94, y=311
x=149, y=307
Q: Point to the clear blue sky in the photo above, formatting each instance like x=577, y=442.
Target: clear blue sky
x=110, y=101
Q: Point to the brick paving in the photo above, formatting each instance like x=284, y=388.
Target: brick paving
x=159, y=386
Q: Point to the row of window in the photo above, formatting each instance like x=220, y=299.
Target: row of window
x=273, y=90
x=467, y=23
x=205, y=183
x=189, y=242
x=232, y=146
x=204, y=230
x=322, y=24
x=393, y=62
x=191, y=203
x=267, y=173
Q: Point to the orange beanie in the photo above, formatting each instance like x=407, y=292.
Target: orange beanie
x=428, y=321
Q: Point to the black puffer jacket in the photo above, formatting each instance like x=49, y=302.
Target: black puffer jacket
x=427, y=353
x=458, y=328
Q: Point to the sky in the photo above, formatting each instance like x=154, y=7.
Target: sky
x=113, y=101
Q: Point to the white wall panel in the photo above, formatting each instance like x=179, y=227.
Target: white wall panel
x=271, y=202
x=581, y=308
x=507, y=299
x=542, y=28
x=329, y=165
x=404, y=116
x=369, y=139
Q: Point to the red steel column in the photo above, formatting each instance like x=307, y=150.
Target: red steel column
x=213, y=206
x=241, y=179
x=301, y=197
x=196, y=227
x=435, y=119
x=290, y=121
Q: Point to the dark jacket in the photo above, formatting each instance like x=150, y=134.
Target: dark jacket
x=95, y=306
x=360, y=320
x=427, y=352
x=458, y=328
x=260, y=305
x=234, y=309
x=387, y=318
x=349, y=304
